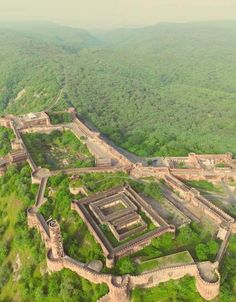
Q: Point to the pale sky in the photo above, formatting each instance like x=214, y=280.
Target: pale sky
x=117, y=13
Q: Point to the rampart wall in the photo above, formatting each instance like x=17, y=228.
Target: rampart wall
x=192, y=195
x=41, y=190
x=88, y=170
x=96, y=137
x=119, y=285
x=5, y=122
x=44, y=129
x=23, y=146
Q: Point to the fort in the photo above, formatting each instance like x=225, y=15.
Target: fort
x=121, y=210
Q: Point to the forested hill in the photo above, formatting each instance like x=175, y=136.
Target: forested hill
x=162, y=90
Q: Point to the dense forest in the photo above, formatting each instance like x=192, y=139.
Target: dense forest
x=162, y=90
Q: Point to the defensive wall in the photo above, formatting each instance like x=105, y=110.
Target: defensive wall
x=214, y=175
x=95, y=136
x=80, y=131
x=40, y=199
x=197, y=160
x=119, y=286
x=5, y=122
x=194, y=196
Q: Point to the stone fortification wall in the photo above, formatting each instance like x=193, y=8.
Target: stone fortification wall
x=20, y=141
x=88, y=170
x=56, y=239
x=217, y=174
x=139, y=171
x=40, y=199
x=5, y=122
x=152, y=278
x=222, y=248
x=102, y=195
x=44, y=129
x=196, y=159
x=118, y=286
x=114, y=253
x=233, y=227
x=121, y=285
x=95, y=136
x=155, y=218
x=84, y=129
x=195, y=197
x=189, y=174
x=36, y=220
x=16, y=131
x=208, y=290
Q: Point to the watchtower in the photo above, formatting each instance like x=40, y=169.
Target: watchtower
x=56, y=240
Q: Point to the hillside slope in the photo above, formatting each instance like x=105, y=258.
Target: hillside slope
x=163, y=90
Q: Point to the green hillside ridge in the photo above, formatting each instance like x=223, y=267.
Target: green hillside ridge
x=163, y=90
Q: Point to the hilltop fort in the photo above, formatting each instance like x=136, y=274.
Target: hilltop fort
x=120, y=219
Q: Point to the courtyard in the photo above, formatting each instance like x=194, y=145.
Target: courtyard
x=58, y=150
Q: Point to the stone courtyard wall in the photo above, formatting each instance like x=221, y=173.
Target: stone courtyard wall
x=194, y=196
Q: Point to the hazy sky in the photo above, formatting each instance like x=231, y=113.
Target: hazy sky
x=115, y=13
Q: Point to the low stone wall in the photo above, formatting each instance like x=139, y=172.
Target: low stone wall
x=44, y=129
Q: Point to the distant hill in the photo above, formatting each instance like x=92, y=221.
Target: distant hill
x=160, y=90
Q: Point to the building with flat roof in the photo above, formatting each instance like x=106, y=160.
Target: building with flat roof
x=32, y=120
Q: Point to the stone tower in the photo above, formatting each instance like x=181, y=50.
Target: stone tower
x=56, y=239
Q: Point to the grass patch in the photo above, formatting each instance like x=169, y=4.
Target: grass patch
x=60, y=117
x=6, y=136
x=58, y=150
x=181, y=165
x=203, y=185
x=222, y=165
x=183, y=290
x=175, y=259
